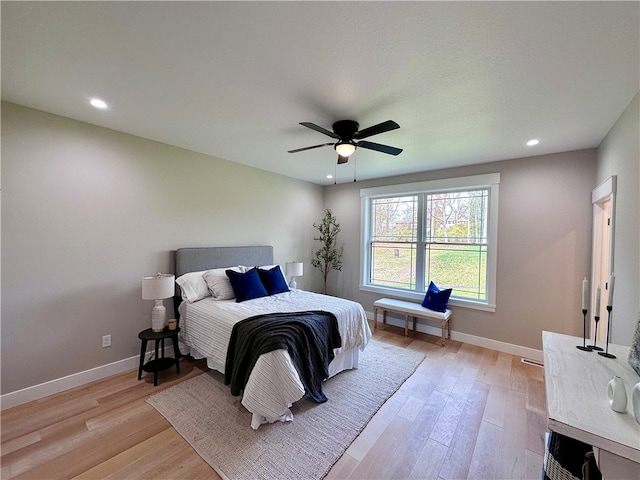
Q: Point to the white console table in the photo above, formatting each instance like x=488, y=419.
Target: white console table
x=577, y=406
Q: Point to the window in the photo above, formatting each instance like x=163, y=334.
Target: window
x=444, y=231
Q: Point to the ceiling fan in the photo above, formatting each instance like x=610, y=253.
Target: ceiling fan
x=346, y=132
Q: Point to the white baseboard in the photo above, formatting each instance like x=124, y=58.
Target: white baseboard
x=42, y=390
x=511, y=348
x=36, y=392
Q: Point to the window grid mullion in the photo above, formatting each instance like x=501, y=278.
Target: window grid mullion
x=420, y=244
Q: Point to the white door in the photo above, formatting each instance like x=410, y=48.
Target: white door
x=603, y=199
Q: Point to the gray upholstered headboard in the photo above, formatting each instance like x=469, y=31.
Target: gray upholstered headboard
x=206, y=258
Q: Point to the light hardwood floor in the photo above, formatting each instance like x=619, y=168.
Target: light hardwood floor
x=467, y=412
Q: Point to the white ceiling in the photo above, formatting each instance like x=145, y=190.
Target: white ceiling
x=467, y=82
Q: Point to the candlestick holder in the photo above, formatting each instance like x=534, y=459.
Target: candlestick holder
x=606, y=352
x=595, y=336
x=584, y=346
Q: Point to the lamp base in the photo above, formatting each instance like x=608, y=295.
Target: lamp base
x=293, y=284
x=158, y=317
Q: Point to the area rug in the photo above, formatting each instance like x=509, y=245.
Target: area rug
x=217, y=426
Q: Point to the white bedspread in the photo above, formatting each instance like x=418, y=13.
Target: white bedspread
x=274, y=383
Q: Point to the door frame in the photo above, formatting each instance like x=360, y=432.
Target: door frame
x=600, y=196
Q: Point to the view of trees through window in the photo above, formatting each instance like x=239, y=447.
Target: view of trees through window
x=439, y=237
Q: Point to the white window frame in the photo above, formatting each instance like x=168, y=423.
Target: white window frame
x=490, y=181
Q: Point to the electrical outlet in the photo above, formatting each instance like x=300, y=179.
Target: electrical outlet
x=106, y=341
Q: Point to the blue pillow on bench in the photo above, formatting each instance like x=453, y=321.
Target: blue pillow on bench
x=436, y=299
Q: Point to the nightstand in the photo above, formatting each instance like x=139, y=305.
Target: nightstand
x=159, y=363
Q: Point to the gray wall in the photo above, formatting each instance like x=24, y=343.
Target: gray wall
x=544, y=245
x=619, y=154
x=87, y=212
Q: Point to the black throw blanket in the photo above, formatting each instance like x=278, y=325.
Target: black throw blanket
x=309, y=337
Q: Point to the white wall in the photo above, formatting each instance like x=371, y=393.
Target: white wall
x=87, y=212
x=619, y=154
x=544, y=241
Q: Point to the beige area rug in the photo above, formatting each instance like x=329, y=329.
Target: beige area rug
x=218, y=427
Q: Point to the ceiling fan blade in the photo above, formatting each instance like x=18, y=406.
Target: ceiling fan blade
x=380, y=148
x=376, y=129
x=315, y=127
x=309, y=148
x=342, y=159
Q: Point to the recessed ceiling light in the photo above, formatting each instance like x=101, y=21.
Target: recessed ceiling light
x=96, y=102
x=532, y=142
x=329, y=176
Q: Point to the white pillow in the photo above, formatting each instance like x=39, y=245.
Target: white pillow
x=219, y=284
x=193, y=286
x=246, y=268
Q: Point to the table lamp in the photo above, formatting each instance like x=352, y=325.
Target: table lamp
x=157, y=288
x=294, y=269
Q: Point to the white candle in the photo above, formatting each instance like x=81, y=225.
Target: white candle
x=585, y=294
x=596, y=312
x=610, y=289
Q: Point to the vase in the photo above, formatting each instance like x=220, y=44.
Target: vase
x=635, y=401
x=634, y=351
x=617, y=394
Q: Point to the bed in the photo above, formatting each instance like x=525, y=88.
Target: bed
x=206, y=323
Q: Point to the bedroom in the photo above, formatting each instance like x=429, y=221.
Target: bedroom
x=87, y=211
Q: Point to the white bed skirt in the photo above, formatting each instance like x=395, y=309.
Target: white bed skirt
x=344, y=361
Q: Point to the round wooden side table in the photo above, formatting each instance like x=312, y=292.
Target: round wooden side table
x=159, y=363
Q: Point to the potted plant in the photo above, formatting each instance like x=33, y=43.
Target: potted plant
x=329, y=256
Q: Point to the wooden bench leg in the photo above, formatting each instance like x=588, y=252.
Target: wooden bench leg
x=415, y=319
x=449, y=329
x=442, y=344
x=375, y=318
x=384, y=317
x=406, y=325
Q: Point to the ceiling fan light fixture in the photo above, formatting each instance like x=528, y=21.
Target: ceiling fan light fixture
x=345, y=149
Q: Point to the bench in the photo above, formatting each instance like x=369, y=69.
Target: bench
x=410, y=309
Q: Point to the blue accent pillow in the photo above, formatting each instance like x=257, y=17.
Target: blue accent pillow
x=436, y=299
x=246, y=285
x=273, y=280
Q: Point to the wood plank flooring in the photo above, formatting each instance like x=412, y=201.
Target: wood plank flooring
x=467, y=412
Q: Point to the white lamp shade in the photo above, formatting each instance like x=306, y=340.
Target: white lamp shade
x=294, y=269
x=158, y=287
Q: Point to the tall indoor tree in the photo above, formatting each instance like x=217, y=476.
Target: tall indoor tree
x=329, y=256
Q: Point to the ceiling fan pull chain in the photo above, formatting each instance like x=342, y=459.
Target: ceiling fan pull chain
x=355, y=167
